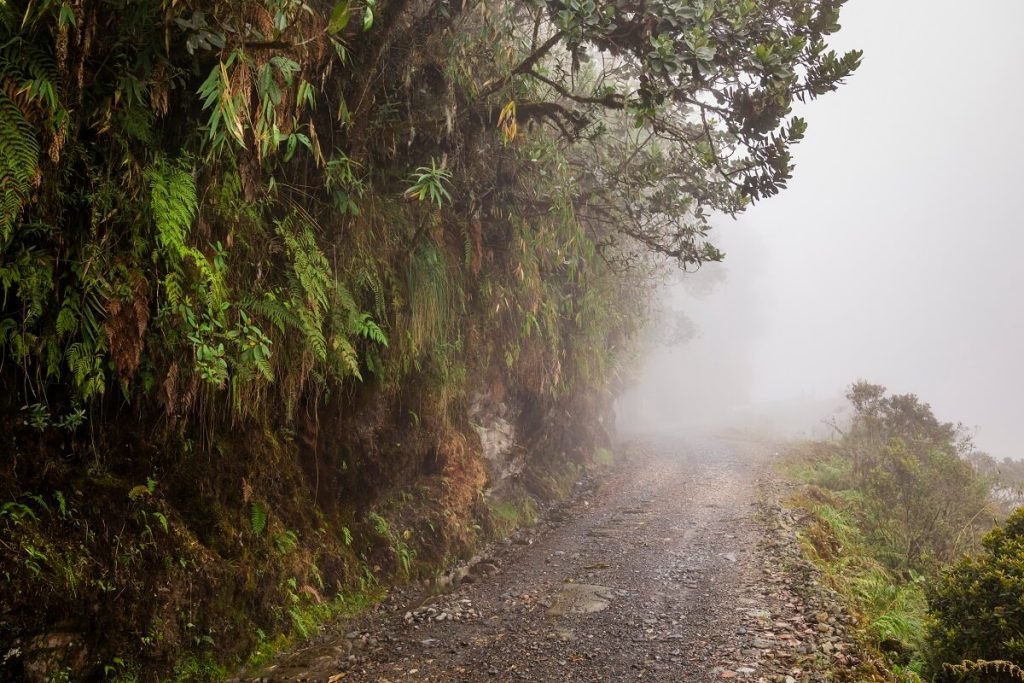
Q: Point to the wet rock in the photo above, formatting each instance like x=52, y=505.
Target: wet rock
x=580, y=598
x=484, y=568
x=55, y=656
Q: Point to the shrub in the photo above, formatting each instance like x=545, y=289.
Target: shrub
x=924, y=503
x=924, y=508
x=977, y=610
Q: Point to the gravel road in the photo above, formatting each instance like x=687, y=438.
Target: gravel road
x=673, y=569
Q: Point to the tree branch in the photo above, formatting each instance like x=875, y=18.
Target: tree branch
x=611, y=101
x=523, y=66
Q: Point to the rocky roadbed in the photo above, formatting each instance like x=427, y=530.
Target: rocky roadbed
x=681, y=566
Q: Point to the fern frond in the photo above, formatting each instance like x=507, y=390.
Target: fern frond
x=86, y=365
x=363, y=325
x=173, y=289
x=19, y=162
x=67, y=318
x=258, y=517
x=8, y=330
x=984, y=666
x=54, y=358
x=344, y=298
x=311, y=325
x=278, y=313
x=372, y=281
x=173, y=205
x=263, y=365
x=347, y=357
x=29, y=104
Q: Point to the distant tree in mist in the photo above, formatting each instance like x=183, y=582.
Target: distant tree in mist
x=680, y=329
x=1006, y=477
x=704, y=282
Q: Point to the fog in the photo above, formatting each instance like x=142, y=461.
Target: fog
x=895, y=254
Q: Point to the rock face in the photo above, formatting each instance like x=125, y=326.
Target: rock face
x=494, y=421
x=54, y=656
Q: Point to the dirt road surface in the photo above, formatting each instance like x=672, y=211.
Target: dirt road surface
x=671, y=570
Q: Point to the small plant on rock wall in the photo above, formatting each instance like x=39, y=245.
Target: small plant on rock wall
x=402, y=552
x=427, y=184
x=257, y=518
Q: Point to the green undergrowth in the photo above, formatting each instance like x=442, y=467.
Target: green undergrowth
x=306, y=618
x=894, y=515
x=208, y=576
x=311, y=618
x=891, y=606
x=513, y=513
x=604, y=458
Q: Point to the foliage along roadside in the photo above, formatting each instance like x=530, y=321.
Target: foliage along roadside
x=892, y=507
x=265, y=255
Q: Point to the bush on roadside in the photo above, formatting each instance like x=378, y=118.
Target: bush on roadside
x=977, y=610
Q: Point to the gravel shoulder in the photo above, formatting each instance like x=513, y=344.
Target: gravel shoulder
x=681, y=566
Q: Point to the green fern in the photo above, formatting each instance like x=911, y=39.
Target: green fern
x=164, y=524
x=174, y=205
x=286, y=541
x=262, y=364
x=18, y=143
x=379, y=524
x=319, y=306
x=67, y=318
x=300, y=622
x=8, y=331
x=173, y=288
x=363, y=325
x=19, y=161
x=311, y=326
x=257, y=517
x=275, y=311
x=29, y=79
x=54, y=358
x=346, y=358
x=33, y=71
x=86, y=364
x=371, y=280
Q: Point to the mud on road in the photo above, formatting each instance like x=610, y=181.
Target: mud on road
x=676, y=568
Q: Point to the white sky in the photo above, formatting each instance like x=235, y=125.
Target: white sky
x=895, y=254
